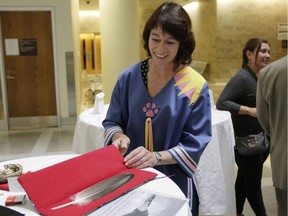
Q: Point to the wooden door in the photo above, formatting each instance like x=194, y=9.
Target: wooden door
x=29, y=66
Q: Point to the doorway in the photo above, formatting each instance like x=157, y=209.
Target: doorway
x=29, y=76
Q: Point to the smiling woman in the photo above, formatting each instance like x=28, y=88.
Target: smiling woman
x=239, y=98
x=164, y=49
x=160, y=111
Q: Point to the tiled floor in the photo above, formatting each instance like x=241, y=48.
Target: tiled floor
x=26, y=143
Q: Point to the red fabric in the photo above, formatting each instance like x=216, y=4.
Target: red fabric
x=4, y=187
x=55, y=185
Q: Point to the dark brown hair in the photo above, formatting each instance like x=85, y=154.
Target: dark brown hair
x=175, y=21
x=251, y=45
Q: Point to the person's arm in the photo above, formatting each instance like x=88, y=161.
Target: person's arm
x=230, y=93
x=121, y=142
x=141, y=158
x=245, y=110
x=263, y=110
x=235, y=89
x=196, y=135
x=113, y=122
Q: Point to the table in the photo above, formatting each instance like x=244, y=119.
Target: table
x=215, y=171
x=164, y=185
x=89, y=132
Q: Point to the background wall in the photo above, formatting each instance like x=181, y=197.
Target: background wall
x=222, y=27
x=232, y=23
x=89, y=22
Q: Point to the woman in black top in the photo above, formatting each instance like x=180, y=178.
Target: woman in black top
x=239, y=98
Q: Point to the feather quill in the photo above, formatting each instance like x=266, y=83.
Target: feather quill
x=98, y=190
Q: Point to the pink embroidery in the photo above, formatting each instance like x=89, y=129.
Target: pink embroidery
x=150, y=109
x=179, y=76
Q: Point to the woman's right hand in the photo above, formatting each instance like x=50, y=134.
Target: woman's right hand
x=253, y=112
x=121, y=142
x=245, y=110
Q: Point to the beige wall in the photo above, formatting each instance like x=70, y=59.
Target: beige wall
x=221, y=29
x=236, y=22
x=76, y=53
x=119, y=41
x=89, y=24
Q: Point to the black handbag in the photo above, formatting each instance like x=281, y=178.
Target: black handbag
x=252, y=144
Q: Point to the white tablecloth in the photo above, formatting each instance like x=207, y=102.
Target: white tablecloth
x=215, y=172
x=163, y=186
x=89, y=132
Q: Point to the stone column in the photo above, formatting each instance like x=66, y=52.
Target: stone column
x=119, y=24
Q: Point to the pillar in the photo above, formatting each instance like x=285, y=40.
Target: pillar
x=119, y=24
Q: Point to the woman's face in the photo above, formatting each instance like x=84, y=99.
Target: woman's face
x=263, y=57
x=163, y=47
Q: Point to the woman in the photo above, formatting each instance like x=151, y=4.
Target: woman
x=239, y=98
x=160, y=113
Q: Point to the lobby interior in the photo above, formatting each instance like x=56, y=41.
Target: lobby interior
x=221, y=28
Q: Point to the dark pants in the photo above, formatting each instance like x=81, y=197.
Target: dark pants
x=248, y=182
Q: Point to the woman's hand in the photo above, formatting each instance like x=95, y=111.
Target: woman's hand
x=253, y=112
x=245, y=110
x=140, y=158
x=121, y=142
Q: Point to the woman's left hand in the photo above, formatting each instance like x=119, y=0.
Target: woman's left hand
x=140, y=158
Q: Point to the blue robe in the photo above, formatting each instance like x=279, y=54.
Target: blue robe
x=181, y=121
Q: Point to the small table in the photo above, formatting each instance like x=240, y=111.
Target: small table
x=164, y=185
x=89, y=132
x=215, y=171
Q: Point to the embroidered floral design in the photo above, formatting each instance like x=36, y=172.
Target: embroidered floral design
x=150, y=109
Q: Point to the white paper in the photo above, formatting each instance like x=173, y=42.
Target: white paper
x=14, y=185
x=142, y=202
x=12, y=47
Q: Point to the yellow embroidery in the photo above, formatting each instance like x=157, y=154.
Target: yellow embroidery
x=190, y=82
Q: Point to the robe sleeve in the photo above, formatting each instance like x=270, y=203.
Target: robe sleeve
x=234, y=89
x=113, y=125
x=196, y=134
